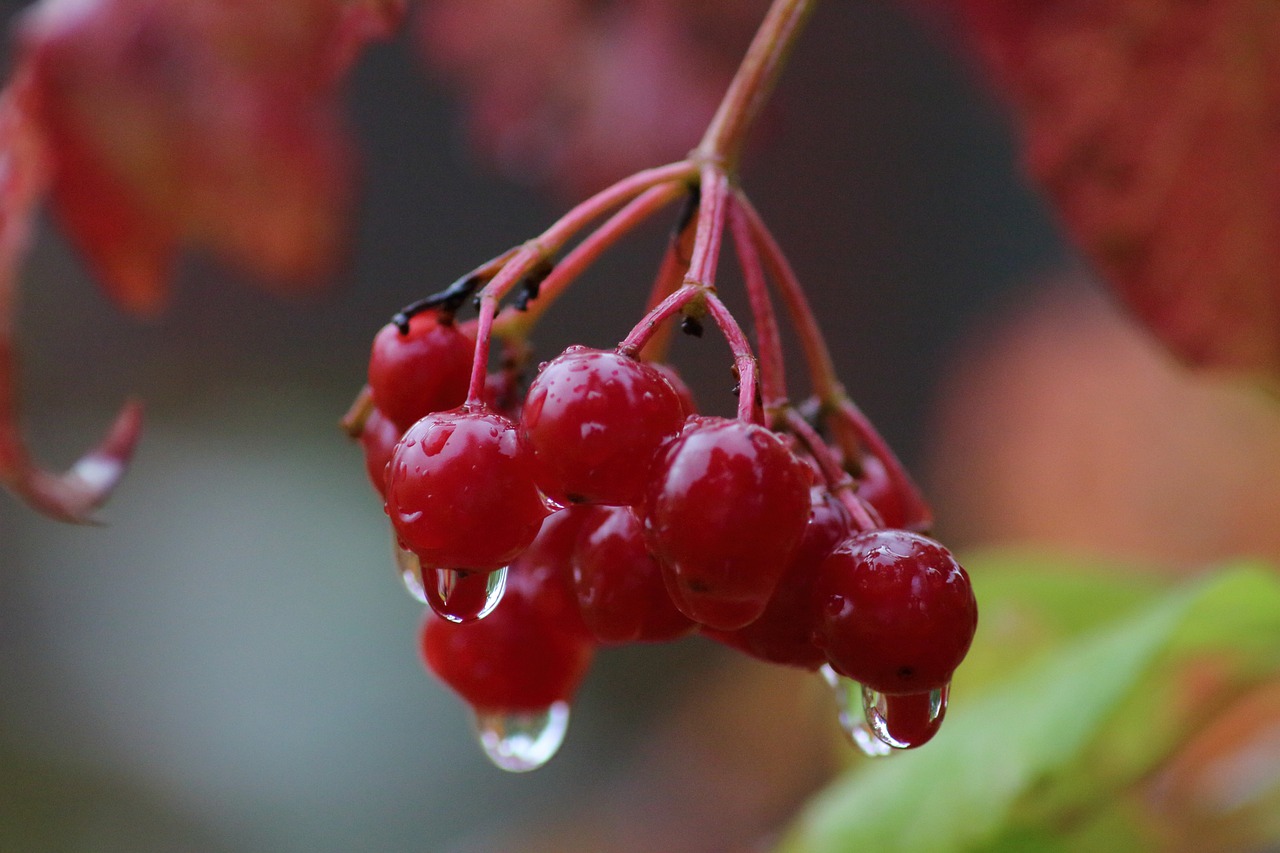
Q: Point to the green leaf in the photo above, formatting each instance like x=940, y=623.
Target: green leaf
x=1011, y=744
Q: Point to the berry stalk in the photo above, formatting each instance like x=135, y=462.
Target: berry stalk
x=754, y=81
x=852, y=431
x=671, y=272
x=516, y=323
x=773, y=377
x=541, y=249
x=699, y=282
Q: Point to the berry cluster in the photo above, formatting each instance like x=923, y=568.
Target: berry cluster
x=599, y=505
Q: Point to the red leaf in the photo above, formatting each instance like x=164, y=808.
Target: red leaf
x=71, y=496
x=364, y=21
x=577, y=95
x=203, y=122
x=1154, y=125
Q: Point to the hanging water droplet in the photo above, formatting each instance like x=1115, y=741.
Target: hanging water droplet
x=462, y=596
x=907, y=720
x=410, y=569
x=523, y=741
x=867, y=741
x=849, y=717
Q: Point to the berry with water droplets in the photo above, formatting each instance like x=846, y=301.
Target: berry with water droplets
x=619, y=583
x=378, y=438
x=460, y=491
x=518, y=658
x=726, y=506
x=784, y=632
x=895, y=611
x=426, y=370
x=595, y=419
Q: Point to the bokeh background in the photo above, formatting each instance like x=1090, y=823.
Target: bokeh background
x=229, y=664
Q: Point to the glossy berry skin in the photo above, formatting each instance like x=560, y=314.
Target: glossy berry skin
x=877, y=489
x=688, y=405
x=895, y=611
x=910, y=720
x=427, y=370
x=378, y=438
x=518, y=658
x=784, y=632
x=618, y=583
x=460, y=491
x=546, y=568
x=595, y=419
x=726, y=506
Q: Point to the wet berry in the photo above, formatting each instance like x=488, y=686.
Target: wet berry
x=895, y=611
x=427, y=370
x=725, y=508
x=594, y=420
x=784, y=632
x=378, y=440
x=688, y=405
x=905, y=720
x=518, y=658
x=619, y=584
x=879, y=491
x=460, y=491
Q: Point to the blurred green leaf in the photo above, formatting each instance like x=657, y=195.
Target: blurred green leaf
x=1012, y=743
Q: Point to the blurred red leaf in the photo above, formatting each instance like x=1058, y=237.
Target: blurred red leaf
x=1154, y=125
x=575, y=93
x=200, y=122
x=71, y=496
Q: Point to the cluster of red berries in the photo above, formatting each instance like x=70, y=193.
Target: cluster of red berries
x=600, y=508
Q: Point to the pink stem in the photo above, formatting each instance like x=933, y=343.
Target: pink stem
x=587, y=252
x=839, y=483
x=639, y=337
x=916, y=510
x=701, y=277
x=711, y=215
x=850, y=427
x=822, y=371
x=773, y=378
x=754, y=80
x=674, y=266
x=542, y=248
x=573, y=221
x=743, y=359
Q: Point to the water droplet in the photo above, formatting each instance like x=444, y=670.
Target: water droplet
x=410, y=569
x=867, y=741
x=464, y=596
x=905, y=721
x=849, y=717
x=522, y=741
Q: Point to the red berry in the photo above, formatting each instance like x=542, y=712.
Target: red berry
x=546, y=569
x=687, y=404
x=724, y=511
x=784, y=632
x=595, y=420
x=877, y=489
x=427, y=370
x=895, y=611
x=378, y=438
x=518, y=658
x=618, y=582
x=460, y=491
x=905, y=720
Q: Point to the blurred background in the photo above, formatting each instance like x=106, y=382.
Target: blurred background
x=229, y=663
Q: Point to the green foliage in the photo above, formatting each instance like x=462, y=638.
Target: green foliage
x=1064, y=703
